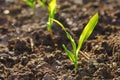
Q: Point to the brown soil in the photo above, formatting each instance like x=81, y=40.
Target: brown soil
x=27, y=51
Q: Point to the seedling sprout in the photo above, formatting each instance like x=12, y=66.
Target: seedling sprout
x=73, y=54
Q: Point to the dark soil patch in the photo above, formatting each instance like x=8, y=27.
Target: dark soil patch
x=27, y=52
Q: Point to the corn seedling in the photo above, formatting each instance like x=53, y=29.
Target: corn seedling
x=32, y=3
x=73, y=55
x=52, y=7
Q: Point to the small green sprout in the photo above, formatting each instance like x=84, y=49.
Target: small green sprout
x=30, y=3
x=52, y=7
x=73, y=55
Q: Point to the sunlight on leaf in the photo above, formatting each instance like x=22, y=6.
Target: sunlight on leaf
x=87, y=31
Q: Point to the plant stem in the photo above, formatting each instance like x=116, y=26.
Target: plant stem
x=76, y=65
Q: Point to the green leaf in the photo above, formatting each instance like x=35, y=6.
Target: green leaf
x=72, y=41
x=69, y=53
x=30, y=3
x=87, y=31
x=52, y=6
x=59, y=23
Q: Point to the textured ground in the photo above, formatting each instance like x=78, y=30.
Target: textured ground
x=27, y=51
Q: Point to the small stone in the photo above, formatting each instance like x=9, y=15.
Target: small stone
x=6, y=11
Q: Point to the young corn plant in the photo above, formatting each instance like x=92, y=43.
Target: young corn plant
x=52, y=7
x=73, y=54
x=32, y=4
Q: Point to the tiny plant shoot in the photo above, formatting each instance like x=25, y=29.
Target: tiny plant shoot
x=52, y=7
x=30, y=3
x=73, y=55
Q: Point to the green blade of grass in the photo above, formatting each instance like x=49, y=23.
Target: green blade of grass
x=52, y=10
x=87, y=31
x=72, y=41
x=60, y=24
x=69, y=53
x=68, y=35
x=30, y=3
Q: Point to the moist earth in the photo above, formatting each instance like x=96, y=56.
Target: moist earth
x=28, y=52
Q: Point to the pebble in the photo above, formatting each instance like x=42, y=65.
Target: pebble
x=6, y=11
